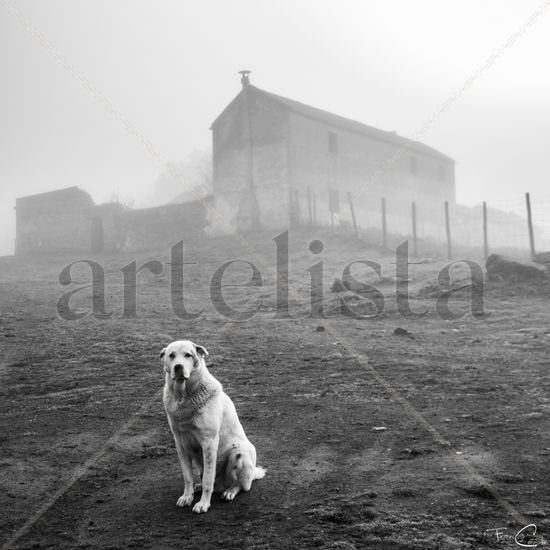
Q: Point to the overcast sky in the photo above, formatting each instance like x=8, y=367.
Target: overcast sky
x=170, y=67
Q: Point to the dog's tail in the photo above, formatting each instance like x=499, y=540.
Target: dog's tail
x=259, y=472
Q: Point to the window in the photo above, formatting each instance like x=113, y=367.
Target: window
x=332, y=143
x=414, y=166
x=440, y=172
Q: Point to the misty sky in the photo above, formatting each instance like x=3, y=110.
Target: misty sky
x=170, y=67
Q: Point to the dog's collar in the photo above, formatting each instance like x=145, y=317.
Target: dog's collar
x=190, y=403
x=200, y=391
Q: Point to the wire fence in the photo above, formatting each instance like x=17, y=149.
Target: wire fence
x=519, y=227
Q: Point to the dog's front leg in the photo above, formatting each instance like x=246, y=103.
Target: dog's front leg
x=187, y=470
x=209, y=454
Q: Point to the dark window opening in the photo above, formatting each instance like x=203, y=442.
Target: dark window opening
x=332, y=143
x=414, y=166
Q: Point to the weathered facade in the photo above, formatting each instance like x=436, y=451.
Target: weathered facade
x=67, y=220
x=55, y=221
x=270, y=153
x=162, y=226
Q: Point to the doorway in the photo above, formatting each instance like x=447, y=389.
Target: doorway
x=97, y=234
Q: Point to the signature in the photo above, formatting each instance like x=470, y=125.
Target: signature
x=524, y=533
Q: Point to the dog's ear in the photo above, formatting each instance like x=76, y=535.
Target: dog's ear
x=201, y=351
x=162, y=353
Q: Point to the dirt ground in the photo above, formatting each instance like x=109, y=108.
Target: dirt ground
x=424, y=439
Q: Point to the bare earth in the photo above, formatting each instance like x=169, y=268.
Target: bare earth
x=87, y=456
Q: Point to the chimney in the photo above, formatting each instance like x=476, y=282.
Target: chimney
x=244, y=78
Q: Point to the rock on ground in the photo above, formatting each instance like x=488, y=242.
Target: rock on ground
x=514, y=270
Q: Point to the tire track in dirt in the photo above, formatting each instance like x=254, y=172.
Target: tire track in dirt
x=419, y=418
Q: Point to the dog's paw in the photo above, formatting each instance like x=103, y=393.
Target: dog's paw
x=185, y=500
x=201, y=507
x=230, y=494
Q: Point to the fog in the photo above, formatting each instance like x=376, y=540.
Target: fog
x=169, y=68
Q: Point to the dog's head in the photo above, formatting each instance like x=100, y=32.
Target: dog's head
x=181, y=359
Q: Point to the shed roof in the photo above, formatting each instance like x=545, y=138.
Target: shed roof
x=58, y=195
x=344, y=123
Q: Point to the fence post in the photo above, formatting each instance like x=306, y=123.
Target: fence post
x=297, y=206
x=314, y=209
x=415, y=240
x=384, y=226
x=353, y=219
x=309, y=211
x=530, y=224
x=485, y=236
x=448, y=229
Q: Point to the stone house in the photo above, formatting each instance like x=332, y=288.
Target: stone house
x=54, y=221
x=273, y=157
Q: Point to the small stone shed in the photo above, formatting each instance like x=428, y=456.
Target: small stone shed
x=67, y=220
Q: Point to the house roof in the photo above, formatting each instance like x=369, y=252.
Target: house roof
x=58, y=194
x=344, y=123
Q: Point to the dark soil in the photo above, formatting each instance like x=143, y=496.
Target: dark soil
x=370, y=439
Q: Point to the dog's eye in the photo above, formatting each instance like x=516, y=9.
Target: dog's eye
x=187, y=355
x=172, y=355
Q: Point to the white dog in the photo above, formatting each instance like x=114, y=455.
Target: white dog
x=206, y=427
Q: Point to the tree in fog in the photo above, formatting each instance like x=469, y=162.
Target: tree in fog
x=184, y=181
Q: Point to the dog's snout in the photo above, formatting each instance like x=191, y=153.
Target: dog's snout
x=179, y=372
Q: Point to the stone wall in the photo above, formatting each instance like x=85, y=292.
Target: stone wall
x=163, y=226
